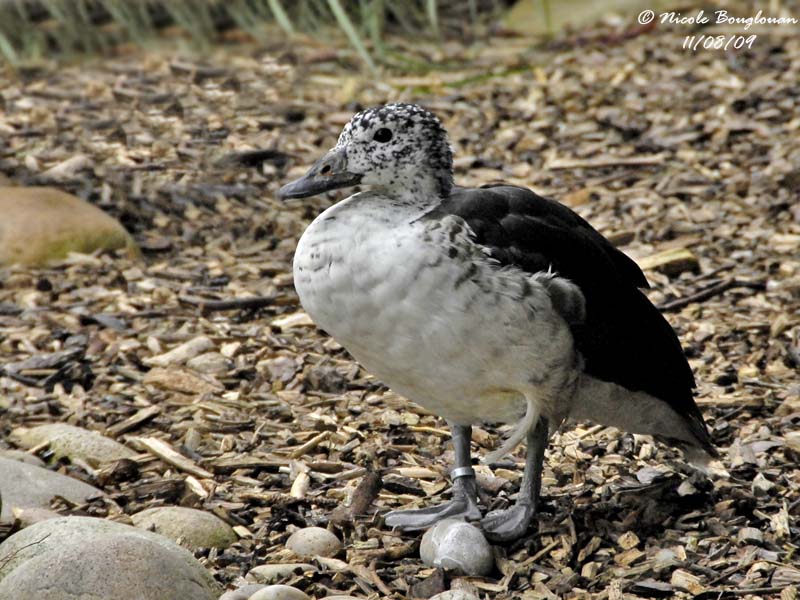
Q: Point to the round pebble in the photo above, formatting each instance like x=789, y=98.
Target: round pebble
x=454, y=595
x=242, y=593
x=457, y=545
x=197, y=528
x=314, y=541
x=279, y=592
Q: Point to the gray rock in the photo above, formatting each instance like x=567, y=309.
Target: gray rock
x=314, y=541
x=21, y=456
x=31, y=516
x=108, y=567
x=279, y=592
x=454, y=595
x=54, y=534
x=273, y=573
x=25, y=486
x=43, y=224
x=195, y=528
x=73, y=443
x=457, y=545
x=242, y=593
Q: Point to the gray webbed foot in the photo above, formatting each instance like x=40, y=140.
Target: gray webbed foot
x=465, y=492
x=423, y=518
x=509, y=524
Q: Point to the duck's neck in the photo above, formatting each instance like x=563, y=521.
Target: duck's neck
x=422, y=192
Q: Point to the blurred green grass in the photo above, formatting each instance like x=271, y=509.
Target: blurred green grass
x=32, y=30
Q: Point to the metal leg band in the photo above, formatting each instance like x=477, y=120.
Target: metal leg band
x=462, y=472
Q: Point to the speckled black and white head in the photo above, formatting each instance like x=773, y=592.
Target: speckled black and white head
x=400, y=148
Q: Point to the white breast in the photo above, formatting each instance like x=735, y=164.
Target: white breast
x=454, y=333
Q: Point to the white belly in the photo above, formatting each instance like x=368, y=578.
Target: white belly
x=467, y=343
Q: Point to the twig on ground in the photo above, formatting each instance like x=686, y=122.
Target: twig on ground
x=234, y=304
x=710, y=292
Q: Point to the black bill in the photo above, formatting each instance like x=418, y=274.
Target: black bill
x=328, y=173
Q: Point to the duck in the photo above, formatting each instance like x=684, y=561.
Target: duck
x=483, y=305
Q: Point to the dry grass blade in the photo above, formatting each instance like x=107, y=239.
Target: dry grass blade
x=350, y=31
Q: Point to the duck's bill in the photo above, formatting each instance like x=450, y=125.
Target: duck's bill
x=328, y=173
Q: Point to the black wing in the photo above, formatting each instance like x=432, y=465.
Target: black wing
x=624, y=339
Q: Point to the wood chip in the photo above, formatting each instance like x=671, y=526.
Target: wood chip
x=169, y=455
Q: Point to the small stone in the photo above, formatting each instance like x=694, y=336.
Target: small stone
x=314, y=541
x=181, y=353
x=457, y=545
x=210, y=363
x=194, y=528
x=750, y=535
x=75, y=443
x=454, y=595
x=273, y=573
x=24, y=487
x=242, y=593
x=279, y=592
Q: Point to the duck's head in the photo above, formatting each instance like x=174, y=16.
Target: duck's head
x=401, y=148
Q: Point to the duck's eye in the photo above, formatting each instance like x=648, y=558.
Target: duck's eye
x=383, y=135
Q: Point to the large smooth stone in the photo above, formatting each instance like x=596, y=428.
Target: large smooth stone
x=68, y=441
x=22, y=457
x=53, y=535
x=279, y=592
x=27, y=486
x=242, y=593
x=314, y=541
x=110, y=567
x=457, y=545
x=196, y=528
x=40, y=225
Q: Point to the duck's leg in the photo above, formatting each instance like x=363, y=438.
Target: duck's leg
x=465, y=491
x=510, y=524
